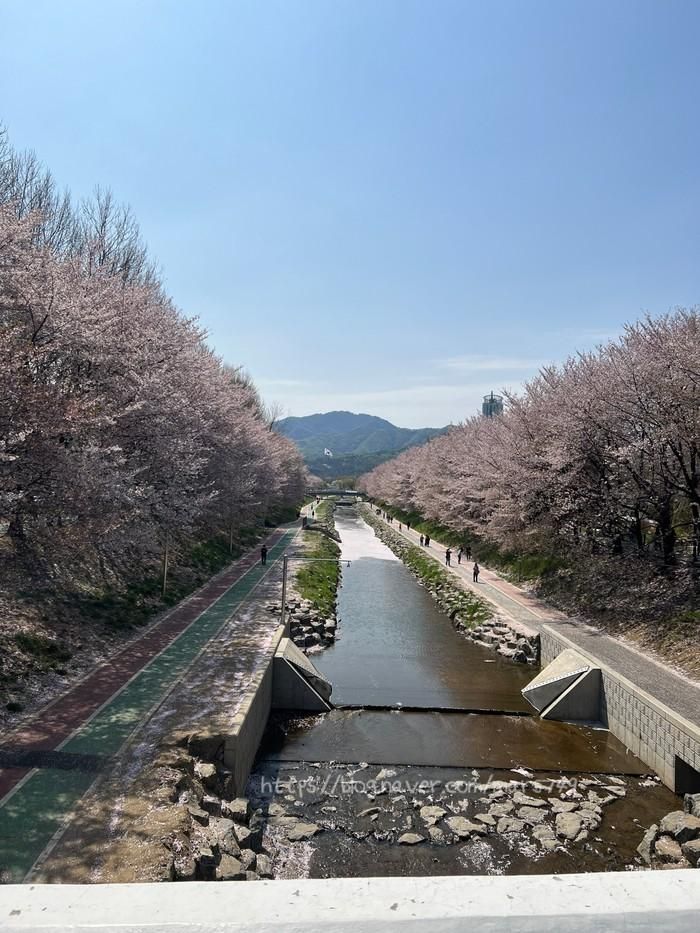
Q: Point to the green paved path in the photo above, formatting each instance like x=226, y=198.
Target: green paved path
x=39, y=806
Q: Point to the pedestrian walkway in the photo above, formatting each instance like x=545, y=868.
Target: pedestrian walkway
x=50, y=761
x=674, y=690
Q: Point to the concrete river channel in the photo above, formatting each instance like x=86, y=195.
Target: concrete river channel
x=432, y=762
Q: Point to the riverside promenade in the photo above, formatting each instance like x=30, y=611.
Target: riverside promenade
x=669, y=687
x=53, y=758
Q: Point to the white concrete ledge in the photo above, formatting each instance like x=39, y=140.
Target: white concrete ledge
x=633, y=902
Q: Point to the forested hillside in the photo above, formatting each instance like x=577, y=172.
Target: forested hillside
x=356, y=442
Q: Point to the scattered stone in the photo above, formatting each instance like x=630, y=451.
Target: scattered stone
x=463, y=827
x=508, y=824
x=682, y=826
x=237, y=810
x=562, y=806
x=431, y=815
x=436, y=835
x=370, y=811
x=691, y=850
x=302, y=831
x=385, y=774
x=667, y=849
x=206, y=864
x=532, y=815
x=248, y=859
x=244, y=835
x=198, y=814
x=206, y=772
x=211, y=804
x=545, y=836
x=501, y=809
x=486, y=818
x=229, y=869
x=616, y=791
x=522, y=800
x=568, y=825
x=264, y=866
x=410, y=839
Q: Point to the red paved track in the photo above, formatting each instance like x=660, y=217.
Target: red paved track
x=52, y=724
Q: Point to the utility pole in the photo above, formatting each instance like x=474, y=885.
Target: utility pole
x=166, y=556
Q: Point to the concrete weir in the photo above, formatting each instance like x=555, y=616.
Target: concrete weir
x=568, y=689
x=286, y=679
x=575, y=686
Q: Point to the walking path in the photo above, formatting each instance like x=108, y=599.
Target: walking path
x=50, y=761
x=675, y=690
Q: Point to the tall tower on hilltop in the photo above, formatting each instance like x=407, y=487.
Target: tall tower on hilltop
x=492, y=406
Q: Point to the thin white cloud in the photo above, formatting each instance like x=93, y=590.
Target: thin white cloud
x=285, y=383
x=475, y=363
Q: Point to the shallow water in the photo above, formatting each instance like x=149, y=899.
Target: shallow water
x=396, y=649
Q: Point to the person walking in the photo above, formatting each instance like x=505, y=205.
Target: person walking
x=459, y=555
x=427, y=540
x=448, y=556
x=468, y=552
x=476, y=572
x=263, y=554
x=421, y=540
x=399, y=526
x=408, y=526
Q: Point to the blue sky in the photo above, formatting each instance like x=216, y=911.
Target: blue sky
x=382, y=206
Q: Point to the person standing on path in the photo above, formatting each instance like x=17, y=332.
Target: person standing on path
x=263, y=554
x=476, y=572
x=427, y=540
x=448, y=556
x=459, y=555
x=468, y=552
x=421, y=540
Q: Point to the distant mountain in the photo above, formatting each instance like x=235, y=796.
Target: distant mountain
x=358, y=442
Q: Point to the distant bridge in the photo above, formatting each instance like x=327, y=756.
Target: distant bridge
x=330, y=491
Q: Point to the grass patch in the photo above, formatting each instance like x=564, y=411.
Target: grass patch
x=141, y=599
x=318, y=582
x=46, y=652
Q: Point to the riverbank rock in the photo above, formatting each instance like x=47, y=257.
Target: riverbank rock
x=300, y=832
x=410, y=839
x=431, y=815
x=463, y=828
x=568, y=825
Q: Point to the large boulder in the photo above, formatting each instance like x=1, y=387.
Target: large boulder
x=667, y=849
x=568, y=825
x=681, y=825
x=646, y=845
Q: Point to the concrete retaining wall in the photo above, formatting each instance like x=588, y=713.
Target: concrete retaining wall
x=243, y=738
x=662, y=739
x=634, y=902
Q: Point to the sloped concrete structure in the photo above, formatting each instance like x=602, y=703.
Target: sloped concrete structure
x=296, y=683
x=580, y=702
x=554, y=679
